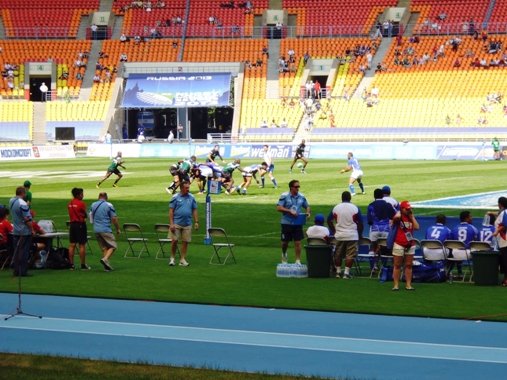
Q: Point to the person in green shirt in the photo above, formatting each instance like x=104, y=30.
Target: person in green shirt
x=497, y=155
x=28, y=193
x=113, y=168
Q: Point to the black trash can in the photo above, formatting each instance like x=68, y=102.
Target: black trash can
x=318, y=260
x=485, y=265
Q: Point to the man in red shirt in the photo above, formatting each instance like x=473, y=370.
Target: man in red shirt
x=78, y=234
x=5, y=228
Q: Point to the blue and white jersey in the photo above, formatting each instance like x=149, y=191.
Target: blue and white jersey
x=465, y=233
x=296, y=202
x=379, y=214
x=486, y=234
x=438, y=232
x=353, y=163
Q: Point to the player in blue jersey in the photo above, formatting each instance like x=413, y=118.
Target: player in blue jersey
x=487, y=230
x=439, y=231
x=356, y=175
x=466, y=233
x=248, y=172
x=268, y=159
x=379, y=214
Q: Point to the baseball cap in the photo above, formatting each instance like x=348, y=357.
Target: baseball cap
x=386, y=190
x=405, y=204
x=319, y=219
x=27, y=183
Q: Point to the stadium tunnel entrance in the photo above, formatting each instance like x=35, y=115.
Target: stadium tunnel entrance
x=196, y=122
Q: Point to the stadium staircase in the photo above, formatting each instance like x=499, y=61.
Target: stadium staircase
x=86, y=86
x=272, y=85
x=39, y=123
x=2, y=29
x=369, y=76
x=489, y=12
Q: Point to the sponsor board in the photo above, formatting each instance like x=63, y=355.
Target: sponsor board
x=37, y=152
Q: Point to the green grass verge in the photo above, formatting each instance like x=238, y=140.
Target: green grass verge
x=253, y=225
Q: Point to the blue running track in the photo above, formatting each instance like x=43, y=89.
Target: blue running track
x=255, y=340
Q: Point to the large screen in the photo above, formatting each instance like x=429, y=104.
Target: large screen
x=65, y=133
x=177, y=90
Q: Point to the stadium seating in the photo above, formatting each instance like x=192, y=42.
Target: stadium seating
x=16, y=120
x=449, y=16
x=333, y=17
x=45, y=18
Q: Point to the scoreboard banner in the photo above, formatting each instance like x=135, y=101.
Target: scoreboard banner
x=177, y=90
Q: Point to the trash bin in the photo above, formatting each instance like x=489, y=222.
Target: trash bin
x=318, y=260
x=485, y=265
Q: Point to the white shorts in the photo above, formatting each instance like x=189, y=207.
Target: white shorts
x=356, y=174
x=434, y=254
x=375, y=235
x=399, y=250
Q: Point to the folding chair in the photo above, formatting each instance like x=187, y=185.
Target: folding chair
x=219, y=240
x=385, y=255
x=364, y=255
x=480, y=246
x=134, y=236
x=316, y=241
x=458, y=253
x=163, y=232
x=433, y=250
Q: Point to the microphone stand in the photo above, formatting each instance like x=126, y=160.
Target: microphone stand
x=17, y=260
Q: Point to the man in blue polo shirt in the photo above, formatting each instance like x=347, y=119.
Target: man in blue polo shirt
x=290, y=205
x=102, y=215
x=22, y=232
x=182, y=208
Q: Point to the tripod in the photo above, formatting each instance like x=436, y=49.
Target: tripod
x=17, y=266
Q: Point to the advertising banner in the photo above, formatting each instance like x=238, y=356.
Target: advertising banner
x=177, y=90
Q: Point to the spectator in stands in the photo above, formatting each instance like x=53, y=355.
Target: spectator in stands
x=264, y=124
x=284, y=124
x=43, y=91
x=292, y=55
x=317, y=90
x=123, y=38
x=94, y=29
x=123, y=57
x=306, y=57
x=265, y=51
x=97, y=78
x=137, y=39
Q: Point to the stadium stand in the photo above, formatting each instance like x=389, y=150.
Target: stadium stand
x=45, y=18
x=445, y=86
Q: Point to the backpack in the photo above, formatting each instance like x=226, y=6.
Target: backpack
x=58, y=258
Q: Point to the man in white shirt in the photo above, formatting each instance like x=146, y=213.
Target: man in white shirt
x=318, y=231
x=268, y=159
x=349, y=228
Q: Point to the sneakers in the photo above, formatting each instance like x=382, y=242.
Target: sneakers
x=72, y=267
x=107, y=266
x=338, y=275
x=168, y=190
x=364, y=192
x=353, y=194
x=97, y=185
x=184, y=263
x=85, y=267
x=171, y=262
x=238, y=190
x=115, y=185
x=347, y=276
x=284, y=258
x=298, y=262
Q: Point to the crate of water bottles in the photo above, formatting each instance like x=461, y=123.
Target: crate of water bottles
x=291, y=270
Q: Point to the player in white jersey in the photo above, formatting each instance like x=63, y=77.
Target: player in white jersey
x=268, y=159
x=248, y=172
x=356, y=175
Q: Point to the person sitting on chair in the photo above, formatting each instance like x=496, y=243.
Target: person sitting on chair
x=318, y=231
